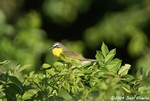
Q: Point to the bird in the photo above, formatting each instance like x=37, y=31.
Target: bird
x=58, y=49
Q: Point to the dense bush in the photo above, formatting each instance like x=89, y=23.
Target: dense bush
x=70, y=80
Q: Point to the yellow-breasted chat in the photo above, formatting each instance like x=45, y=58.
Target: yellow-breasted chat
x=58, y=49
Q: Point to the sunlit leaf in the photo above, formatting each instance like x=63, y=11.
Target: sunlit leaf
x=126, y=89
x=104, y=49
x=23, y=68
x=75, y=62
x=99, y=56
x=63, y=57
x=114, y=65
x=128, y=78
x=63, y=93
x=124, y=69
x=110, y=55
x=51, y=72
x=4, y=62
x=29, y=93
x=45, y=65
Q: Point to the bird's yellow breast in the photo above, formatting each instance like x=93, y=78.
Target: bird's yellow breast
x=57, y=51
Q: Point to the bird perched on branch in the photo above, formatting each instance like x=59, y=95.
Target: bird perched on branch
x=58, y=49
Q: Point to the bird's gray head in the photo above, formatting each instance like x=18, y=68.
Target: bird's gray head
x=57, y=45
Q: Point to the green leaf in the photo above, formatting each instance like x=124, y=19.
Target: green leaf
x=104, y=49
x=63, y=93
x=75, y=62
x=55, y=98
x=23, y=68
x=2, y=94
x=128, y=78
x=63, y=57
x=110, y=55
x=15, y=80
x=114, y=65
x=4, y=62
x=139, y=72
x=58, y=64
x=12, y=89
x=99, y=56
x=124, y=69
x=126, y=89
x=46, y=65
x=28, y=94
x=4, y=77
x=67, y=86
x=51, y=71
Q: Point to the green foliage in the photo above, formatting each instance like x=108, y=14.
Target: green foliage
x=125, y=27
x=24, y=42
x=71, y=80
x=66, y=11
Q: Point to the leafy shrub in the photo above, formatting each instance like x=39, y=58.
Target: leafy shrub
x=70, y=80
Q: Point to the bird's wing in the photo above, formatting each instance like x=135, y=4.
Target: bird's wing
x=73, y=55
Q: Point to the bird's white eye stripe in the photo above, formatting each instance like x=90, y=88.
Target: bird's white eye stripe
x=56, y=45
